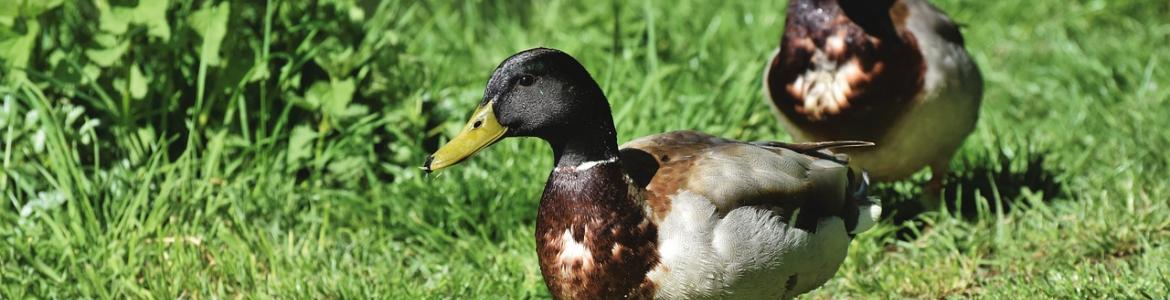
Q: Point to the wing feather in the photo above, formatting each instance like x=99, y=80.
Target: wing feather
x=732, y=174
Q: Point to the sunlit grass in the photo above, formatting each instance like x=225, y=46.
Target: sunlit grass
x=266, y=175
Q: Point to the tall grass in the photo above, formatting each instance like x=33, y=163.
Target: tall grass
x=167, y=149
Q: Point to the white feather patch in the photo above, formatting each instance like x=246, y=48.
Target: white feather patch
x=573, y=249
x=825, y=87
x=586, y=165
x=867, y=216
x=571, y=252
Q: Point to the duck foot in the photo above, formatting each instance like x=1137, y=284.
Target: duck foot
x=932, y=191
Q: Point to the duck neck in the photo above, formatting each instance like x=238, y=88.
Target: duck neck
x=872, y=16
x=588, y=168
x=592, y=235
x=590, y=144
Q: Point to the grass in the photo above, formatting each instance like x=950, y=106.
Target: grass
x=270, y=149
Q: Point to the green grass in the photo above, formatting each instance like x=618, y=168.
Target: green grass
x=264, y=151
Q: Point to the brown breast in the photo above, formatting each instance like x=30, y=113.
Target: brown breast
x=864, y=49
x=592, y=237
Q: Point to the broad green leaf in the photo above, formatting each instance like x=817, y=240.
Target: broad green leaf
x=6, y=30
x=55, y=57
x=333, y=97
x=315, y=95
x=138, y=83
x=107, y=57
x=107, y=21
x=106, y=40
x=90, y=72
x=211, y=24
x=259, y=72
x=63, y=67
x=300, y=144
x=353, y=110
x=33, y=8
x=15, y=51
x=122, y=84
x=319, y=93
x=27, y=8
x=151, y=14
x=337, y=58
x=340, y=95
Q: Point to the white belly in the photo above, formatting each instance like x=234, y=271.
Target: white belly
x=929, y=133
x=747, y=254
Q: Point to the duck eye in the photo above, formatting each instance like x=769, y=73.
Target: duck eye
x=526, y=80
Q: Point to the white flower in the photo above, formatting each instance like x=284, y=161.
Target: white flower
x=86, y=130
x=44, y=201
x=39, y=141
x=31, y=118
x=74, y=113
x=5, y=110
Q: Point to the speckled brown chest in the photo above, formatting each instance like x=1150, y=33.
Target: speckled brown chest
x=592, y=236
x=870, y=36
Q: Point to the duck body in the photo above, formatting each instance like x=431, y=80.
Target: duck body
x=892, y=72
x=593, y=239
x=678, y=215
x=716, y=219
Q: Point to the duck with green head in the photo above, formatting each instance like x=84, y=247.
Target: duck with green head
x=678, y=215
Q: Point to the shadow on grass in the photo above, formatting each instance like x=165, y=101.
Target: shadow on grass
x=1000, y=181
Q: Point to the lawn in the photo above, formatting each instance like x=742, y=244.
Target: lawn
x=270, y=149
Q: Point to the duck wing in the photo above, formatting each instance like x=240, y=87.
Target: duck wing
x=786, y=178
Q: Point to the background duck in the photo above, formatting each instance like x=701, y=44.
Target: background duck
x=894, y=72
x=678, y=215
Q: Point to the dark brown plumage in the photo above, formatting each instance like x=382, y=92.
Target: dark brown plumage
x=894, y=72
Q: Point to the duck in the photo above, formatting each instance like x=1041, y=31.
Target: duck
x=893, y=72
x=676, y=215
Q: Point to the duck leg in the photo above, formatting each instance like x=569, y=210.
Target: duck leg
x=932, y=190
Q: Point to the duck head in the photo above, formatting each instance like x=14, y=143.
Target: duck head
x=540, y=92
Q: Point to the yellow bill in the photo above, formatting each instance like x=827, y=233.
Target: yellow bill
x=480, y=132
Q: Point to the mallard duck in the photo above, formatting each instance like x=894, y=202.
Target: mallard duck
x=894, y=72
x=678, y=215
